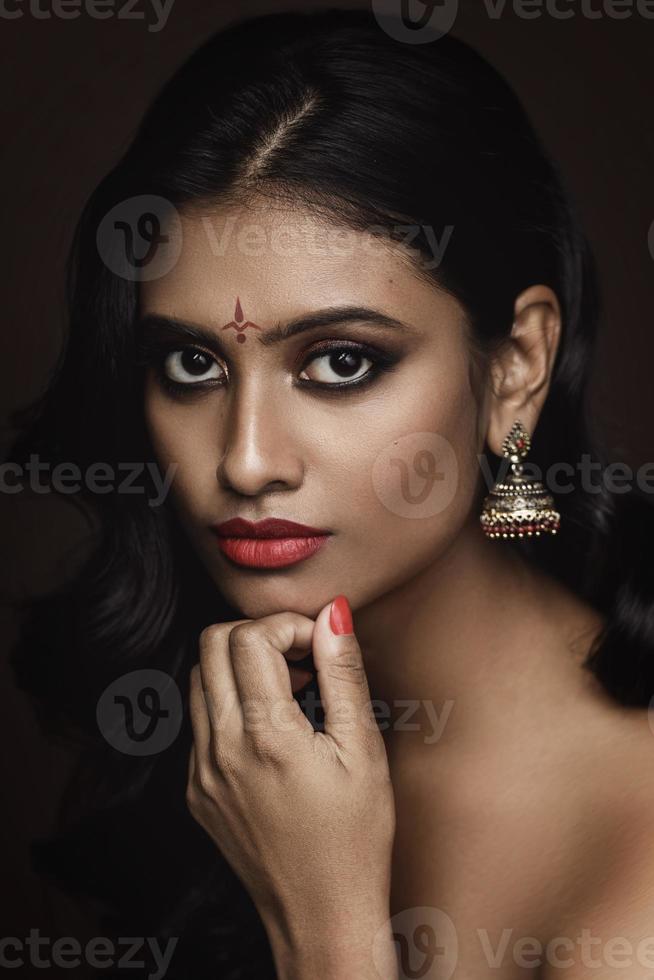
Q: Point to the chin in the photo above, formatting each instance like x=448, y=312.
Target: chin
x=255, y=601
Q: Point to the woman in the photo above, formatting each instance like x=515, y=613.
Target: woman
x=336, y=281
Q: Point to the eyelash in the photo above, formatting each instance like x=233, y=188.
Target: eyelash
x=156, y=353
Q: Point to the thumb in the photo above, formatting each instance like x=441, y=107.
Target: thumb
x=342, y=680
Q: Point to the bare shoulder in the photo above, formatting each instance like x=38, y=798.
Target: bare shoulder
x=605, y=924
x=548, y=842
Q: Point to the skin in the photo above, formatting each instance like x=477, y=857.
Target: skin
x=485, y=821
x=254, y=751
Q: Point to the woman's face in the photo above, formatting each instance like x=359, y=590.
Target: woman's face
x=363, y=425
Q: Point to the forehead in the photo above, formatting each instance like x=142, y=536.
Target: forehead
x=283, y=260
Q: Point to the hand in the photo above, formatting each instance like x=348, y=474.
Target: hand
x=305, y=818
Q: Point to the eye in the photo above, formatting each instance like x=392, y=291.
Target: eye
x=190, y=365
x=337, y=365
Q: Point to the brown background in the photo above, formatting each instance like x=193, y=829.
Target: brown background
x=77, y=90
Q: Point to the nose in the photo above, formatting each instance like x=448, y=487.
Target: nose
x=260, y=454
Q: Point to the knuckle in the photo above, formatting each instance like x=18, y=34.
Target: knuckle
x=223, y=762
x=191, y=796
x=251, y=636
x=210, y=636
x=265, y=749
x=348, y=667
x=205, y=784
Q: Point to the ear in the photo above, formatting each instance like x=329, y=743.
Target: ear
x=521, y=370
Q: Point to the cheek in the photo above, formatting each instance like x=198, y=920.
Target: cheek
x=181, y=439
x=414, y=476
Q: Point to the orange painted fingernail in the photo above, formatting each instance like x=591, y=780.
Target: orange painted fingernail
x=340, y=616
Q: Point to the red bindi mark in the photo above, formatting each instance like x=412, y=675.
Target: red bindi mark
x=239, y=323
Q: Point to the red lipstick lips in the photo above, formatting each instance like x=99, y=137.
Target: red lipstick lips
x=270, y=543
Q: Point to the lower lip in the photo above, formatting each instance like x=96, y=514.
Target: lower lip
x=270, y=552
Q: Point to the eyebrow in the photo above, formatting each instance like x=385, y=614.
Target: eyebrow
x=328, y=317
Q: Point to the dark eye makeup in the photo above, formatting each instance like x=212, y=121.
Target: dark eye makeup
x=342, y=356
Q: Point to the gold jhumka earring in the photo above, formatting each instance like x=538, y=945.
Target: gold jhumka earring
x=518, y=507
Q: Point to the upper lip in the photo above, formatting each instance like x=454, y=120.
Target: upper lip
x=271, y=527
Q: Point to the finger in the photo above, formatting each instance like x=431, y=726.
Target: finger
x=222, y=697
x=342, y=679
x=262, y=675
x=199, y=721
x=218, y=682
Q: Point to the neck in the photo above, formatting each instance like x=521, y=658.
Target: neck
x=478, y=641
